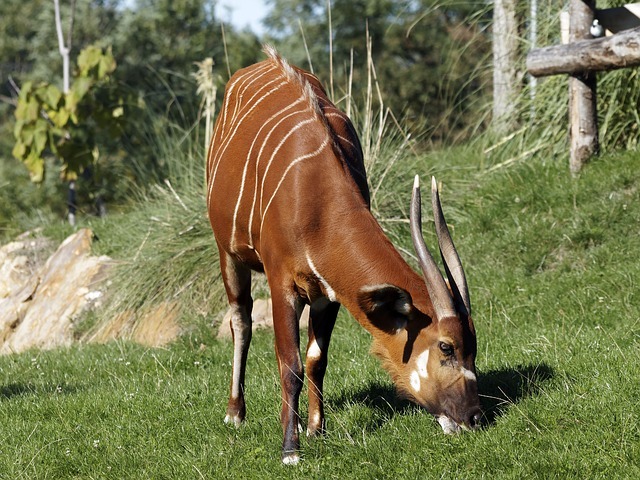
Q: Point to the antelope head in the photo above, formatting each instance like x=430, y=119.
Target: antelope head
x=432, y=358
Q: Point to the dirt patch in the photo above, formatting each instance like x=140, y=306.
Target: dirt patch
x=153, y=327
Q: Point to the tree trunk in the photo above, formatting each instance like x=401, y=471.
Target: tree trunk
x=505, y=55
x=64, y=52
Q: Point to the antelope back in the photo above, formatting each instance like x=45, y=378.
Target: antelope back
x=276, y=132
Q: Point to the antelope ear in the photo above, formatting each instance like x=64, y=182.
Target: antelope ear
x=386, y=306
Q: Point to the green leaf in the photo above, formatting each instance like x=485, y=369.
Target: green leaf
x=106, y=66
x=27, y=134
x=89, y=58
x=32, y=110
x=80, y=87
x=52, y=96
x=17, y=128
x=35, y=165
x=27, y=109
x=41, y=125
x=21, y=110
x=19, y=150
x=25, y=91
x=60, y=117
x=71, y=102
x=39, y=141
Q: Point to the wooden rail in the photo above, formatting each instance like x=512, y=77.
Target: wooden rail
x=581, y=57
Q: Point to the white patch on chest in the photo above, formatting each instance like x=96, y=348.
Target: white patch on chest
x=421, y=363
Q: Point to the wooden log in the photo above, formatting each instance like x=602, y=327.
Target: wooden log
x=607, y=53
x=583, y=119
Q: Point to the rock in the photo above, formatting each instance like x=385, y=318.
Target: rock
x=261, y=316
x=19, y=260
x=39, y=312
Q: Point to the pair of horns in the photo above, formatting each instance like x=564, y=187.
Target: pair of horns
x=444, y=304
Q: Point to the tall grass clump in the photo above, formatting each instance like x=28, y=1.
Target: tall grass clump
x=163, y=247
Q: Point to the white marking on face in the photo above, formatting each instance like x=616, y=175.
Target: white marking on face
x=314, y=350
x=330, y=292
x=415, y=380
x=403, y=306
x=448, y=425
x=468, y=374
x=421, y=363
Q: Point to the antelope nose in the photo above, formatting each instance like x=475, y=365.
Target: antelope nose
x=475, y=418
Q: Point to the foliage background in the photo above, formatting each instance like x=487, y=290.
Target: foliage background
x=551, y=260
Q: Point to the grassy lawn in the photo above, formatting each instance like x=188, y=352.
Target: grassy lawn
x=553, y=267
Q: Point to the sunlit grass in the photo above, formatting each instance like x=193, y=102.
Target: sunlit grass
x=552, y=267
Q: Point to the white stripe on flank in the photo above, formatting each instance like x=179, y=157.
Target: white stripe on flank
x=254, y=75
x=246, y=167
x=330, y=292
x=275, y=153
x=284, y=175
x=346, y=140
x=257, y=165
x=241, y=105
x=244, y=82
x=222, y=149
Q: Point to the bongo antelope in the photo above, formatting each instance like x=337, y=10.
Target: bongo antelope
x=287, y=196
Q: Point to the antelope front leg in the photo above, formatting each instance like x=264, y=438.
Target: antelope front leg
x=322, y=318
x=287, y=333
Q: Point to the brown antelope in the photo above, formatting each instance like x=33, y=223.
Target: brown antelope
x=287, y=196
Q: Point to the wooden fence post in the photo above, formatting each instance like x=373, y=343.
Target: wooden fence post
x=582, y=92
x=506, y=77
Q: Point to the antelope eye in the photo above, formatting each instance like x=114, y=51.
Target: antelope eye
x=446, y=348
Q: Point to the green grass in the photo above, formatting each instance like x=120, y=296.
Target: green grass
x=553, y=268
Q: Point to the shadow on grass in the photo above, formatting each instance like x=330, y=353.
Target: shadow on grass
x=12, y=390
x=382, y=399
x=498, y=390
x=501, y=388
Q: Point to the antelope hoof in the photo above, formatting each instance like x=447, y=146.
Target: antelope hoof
x=291, y=458
x=234, y=420
x=316, y=428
